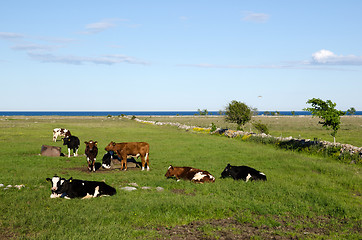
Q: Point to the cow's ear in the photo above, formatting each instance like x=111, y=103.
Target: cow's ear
x=96, y=143
x=113, y=143
x=170, y=167
x=48, y=179
x=86, y=142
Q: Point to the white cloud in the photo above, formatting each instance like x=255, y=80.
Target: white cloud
x=103, y=25
x=255, y=17
x=34, y=47
x=326, y=57
x=10, y=35
x=76, y=60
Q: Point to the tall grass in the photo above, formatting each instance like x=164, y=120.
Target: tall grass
x=298, y=186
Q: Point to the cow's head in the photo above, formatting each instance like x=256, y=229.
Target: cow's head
x=66, y=140
x=57, y=182
x=110, y=146
x=170, y=172
x=226, y=172
x=91, y=145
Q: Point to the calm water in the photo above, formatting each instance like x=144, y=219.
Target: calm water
x=130, y=113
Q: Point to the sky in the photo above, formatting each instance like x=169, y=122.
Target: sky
x=146, y=55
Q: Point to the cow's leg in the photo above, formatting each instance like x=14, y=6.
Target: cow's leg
x=123, y=160
x=94, y=167
x=148, y=161
x=75, y=152
x=69, y=152
x=143, y=162
x=89, y=165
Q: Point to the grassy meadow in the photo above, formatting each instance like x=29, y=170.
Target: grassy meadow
x=285, y=126
x=305, y=197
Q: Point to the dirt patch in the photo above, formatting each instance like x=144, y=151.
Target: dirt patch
x=230, y=228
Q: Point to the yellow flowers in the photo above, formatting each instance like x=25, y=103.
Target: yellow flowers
x=201, y=130
x=246, y=137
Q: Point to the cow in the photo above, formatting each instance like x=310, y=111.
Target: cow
x=91, y=152
x=72, y=143
x=134, y=149
x=243, y=172
x=107, y=159
x=75, y=188
x=188, y=173
x=62, y=132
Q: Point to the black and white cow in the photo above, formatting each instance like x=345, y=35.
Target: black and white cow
x=107, y=159
x=75, y=188
x=242, y=172
x=91, y=151
x=62, y=132
x=72, y=143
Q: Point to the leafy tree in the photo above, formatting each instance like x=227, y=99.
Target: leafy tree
x=203, y=112
x=326, y=111
x=351, y=111
x=238, y=112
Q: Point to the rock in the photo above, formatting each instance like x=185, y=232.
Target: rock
x=129, y=189
x=146, y=188
x=133, y=184
x=51, y=151
x=160, y=189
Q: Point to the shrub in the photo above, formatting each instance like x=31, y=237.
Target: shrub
x=213, y=127
x=261, y=128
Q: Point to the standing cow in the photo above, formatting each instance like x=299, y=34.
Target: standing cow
x=91, y=151
x=134, y=149
x=62, y=132
x=72, y=143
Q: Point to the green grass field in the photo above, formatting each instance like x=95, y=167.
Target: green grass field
x=285, y=126
x=305, y=196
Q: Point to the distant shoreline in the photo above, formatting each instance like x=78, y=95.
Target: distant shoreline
x=144, y=113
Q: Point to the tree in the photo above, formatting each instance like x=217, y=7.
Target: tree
x=351, y=111
x=326, y=111
x=238, y=112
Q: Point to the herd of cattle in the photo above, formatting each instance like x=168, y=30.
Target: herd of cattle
x=75, y=188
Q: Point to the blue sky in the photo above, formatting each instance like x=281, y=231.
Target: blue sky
x=179, y=55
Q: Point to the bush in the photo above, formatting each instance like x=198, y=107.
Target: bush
x=261, y=128
x=213, y=127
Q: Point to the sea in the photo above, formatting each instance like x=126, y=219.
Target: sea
x=143, y=113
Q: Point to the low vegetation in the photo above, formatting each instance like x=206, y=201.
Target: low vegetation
x=304, y=197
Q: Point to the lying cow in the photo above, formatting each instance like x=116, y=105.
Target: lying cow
x=134, y=149
x=242, y=172
x=189, y=173
x=74, y=188
x=62, y=132
x=72, y=143
x=91, y=151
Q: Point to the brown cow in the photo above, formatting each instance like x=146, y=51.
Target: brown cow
x=91, y=151
x=134, y=149
x=189, y=173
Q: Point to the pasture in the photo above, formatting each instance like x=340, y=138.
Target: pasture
x=305, y=196
x=280, y=126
